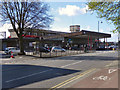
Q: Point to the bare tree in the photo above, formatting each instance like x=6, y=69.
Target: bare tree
x=24, y=15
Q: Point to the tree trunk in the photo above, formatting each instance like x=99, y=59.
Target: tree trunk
x=21, y=45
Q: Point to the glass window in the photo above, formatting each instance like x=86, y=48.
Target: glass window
x=29, y=33
x=35, y=34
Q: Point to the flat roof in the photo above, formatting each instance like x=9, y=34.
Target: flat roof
x=81, y=34
x=40, y=30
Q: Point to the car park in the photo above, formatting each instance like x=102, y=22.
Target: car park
x=15, y=50
x=57, y=49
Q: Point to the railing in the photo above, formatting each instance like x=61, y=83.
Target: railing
x=57, y=54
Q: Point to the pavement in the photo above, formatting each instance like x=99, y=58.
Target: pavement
x=30, y=54
x=6, y=59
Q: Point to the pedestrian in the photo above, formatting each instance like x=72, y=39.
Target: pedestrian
x=12, y=56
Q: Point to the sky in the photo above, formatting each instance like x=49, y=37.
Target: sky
x=74, y=13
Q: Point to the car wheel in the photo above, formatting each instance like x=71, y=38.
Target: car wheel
x=9, y=52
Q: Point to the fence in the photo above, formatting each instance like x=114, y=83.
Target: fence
x=58, y=54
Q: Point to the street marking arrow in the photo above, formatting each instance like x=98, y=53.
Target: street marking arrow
x=111, y=70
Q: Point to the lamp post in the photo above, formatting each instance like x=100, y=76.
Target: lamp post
x=98, y=32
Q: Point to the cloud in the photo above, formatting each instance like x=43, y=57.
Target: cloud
x=101, y=30
x=53, y=10
x=114, y=36
x=57, y=19
x=72, y=10
x=87, y=28
x=61, y=29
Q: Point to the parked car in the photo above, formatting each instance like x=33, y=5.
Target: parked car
x=75, y=48
x=57, y=49
x=113, y=47
x=15, y=50
x=107, y=47
x=101, y=48
x=44, y=49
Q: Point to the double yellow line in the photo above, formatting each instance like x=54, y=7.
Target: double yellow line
x=72, y=79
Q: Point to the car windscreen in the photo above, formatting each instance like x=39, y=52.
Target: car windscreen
x=6, y=48
x=13, y=49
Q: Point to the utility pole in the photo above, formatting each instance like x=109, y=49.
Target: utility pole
x=98, y=32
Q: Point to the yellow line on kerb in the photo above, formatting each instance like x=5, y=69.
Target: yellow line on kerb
x=72, y=79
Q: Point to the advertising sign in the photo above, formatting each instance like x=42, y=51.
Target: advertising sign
x=2, y=35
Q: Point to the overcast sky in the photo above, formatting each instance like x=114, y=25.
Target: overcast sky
x=74, y=13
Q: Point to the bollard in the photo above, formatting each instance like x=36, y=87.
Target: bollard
x=12, y=55
x=113, y=49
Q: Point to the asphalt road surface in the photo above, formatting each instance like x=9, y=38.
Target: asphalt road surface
x=60, y=72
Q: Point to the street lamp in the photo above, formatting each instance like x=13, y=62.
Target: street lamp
x=98, y=25
x=98, y=32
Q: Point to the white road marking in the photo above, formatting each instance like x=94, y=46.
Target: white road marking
x=5, y=59
x=70, y=64
x=111, y=70
x=102, y=77
x=20, y=57
x=39, y=72
x=28, y=76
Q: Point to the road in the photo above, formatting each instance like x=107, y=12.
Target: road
x=60, y=72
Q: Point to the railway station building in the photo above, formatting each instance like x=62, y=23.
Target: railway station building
x=76, y=38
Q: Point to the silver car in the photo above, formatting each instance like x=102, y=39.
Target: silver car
x=15, y=50
x=57, y=49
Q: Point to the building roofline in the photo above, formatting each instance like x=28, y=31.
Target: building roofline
x=67, y=34
x=96, y=33
x=41, y=30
